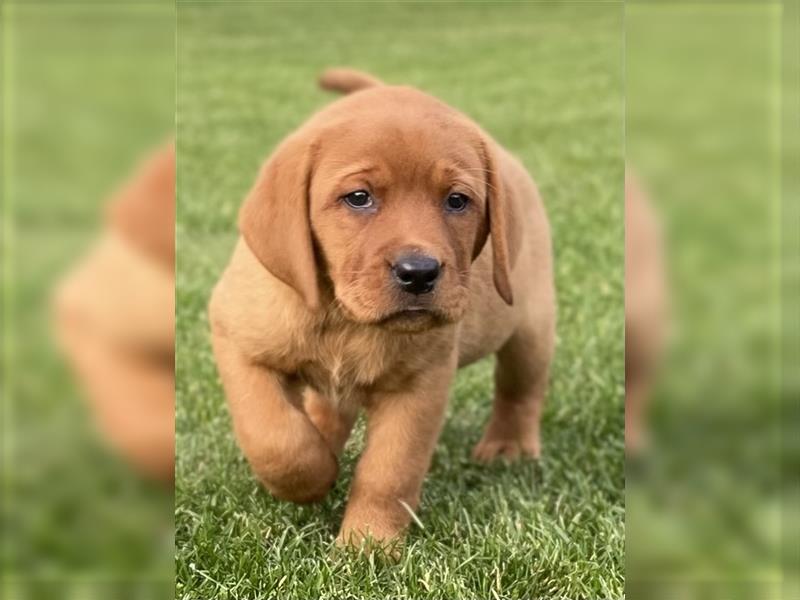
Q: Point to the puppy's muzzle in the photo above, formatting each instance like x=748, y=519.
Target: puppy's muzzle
x=416, y=273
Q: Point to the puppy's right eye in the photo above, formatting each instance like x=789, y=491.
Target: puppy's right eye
x=359, y=199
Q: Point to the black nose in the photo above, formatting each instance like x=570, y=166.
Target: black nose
x=416, y=273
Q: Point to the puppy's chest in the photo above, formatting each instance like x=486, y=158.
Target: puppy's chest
x=344, y=363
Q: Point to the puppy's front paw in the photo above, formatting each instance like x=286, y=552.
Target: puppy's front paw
x=364, y=542
x=300, y=473
x=307, y=481
x=509, y=449
x=374, y=525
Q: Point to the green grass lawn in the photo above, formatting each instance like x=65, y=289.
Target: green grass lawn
x=546, y=81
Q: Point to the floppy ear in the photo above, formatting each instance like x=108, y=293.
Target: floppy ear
x=504, y=231
x=274, y=219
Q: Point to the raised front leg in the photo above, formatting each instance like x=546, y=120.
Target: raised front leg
x=286, y=452
x=402, y=430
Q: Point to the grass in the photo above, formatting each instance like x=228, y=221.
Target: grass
x=246, y=75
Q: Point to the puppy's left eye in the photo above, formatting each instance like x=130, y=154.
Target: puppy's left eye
x=456, y=202
x=359, y=199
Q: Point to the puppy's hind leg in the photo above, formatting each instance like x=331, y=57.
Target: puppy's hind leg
x=521, y=375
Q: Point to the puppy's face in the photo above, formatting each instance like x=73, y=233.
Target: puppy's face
x=397, y=211
x=389, y=195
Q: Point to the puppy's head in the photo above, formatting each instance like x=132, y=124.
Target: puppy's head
x=386, y=197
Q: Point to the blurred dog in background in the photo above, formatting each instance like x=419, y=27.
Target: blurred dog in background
x=114, y=316
x=645, y=307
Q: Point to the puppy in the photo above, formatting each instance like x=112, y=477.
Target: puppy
x=386, y=243
x=114, y=318
x=646, y=308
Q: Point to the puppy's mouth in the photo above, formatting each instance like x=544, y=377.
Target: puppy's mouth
x=414, y=318
x=398, y=313
x=411, y=313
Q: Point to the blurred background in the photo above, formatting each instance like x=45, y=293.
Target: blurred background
x=87, y=92
x=710, y=511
